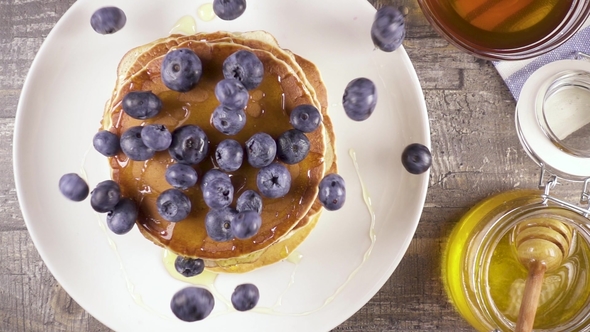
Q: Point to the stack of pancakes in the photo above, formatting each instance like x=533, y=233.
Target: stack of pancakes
x=289, y=80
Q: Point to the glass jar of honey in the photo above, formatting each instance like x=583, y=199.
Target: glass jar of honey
x=482, y=273
x=506, y=29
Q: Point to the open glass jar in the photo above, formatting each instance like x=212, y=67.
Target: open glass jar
x=506, y=29
x=481, y=272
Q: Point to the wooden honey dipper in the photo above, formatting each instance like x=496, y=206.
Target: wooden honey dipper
x=542, y=245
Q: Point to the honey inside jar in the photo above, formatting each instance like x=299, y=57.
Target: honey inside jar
x=485, y=280
x=500, y=24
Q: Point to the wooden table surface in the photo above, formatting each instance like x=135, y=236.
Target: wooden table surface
x=475, y=151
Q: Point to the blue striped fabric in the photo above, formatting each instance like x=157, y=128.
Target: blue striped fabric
x=580, y=42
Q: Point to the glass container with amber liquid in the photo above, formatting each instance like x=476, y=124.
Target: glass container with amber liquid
x=481, y=271
x=506, y=29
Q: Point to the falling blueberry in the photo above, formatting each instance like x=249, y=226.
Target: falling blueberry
x=156, y=137
x=261, y=150
x=190, y=145
x=359, y=99
x=106, y=143
x=73, y=187
x=416, y=158
x=229, y=155
x=305, y=117
x=332, y=192
x=108, y=20
x=218, y=224
x=229, y=9
x=132, y=145
x=292, y=146
x=389, y=29
x=105, y=196
x=181, y=176
x=192, y=304
x=249, y=200
x=228, y=121
x=246, y=224
x=141, y=104
x=274, y=180
x=245, y=297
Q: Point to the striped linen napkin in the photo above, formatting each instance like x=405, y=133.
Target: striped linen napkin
x=515, y=73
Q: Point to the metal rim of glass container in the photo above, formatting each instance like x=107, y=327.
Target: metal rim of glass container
x=577, y=16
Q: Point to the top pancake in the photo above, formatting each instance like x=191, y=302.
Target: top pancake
x=268, y=110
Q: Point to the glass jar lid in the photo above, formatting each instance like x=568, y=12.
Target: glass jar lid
x=553, y=118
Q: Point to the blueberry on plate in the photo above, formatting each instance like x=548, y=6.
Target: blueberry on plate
x=274, y=180
x=108, y=20
x=249, y=200
x=229, y=9
x=181, y=70
x=106, y=143
x=245, y=67
x=389, y=29
x=245, y=297
x=73, y=187
x=181, y=176
x=132, y=145
x=189, y=267
x=190, y=145
x=359, y=99
x=228, y=121
x=332, y=192
x=218, y=193
x=261, y=150
x=292, y=146
x=173, y=205
x=105, y=196
x=416, y=158
x=192, y=304
x=141, y=104
x=211, y=175
x=218, y=224
x=246, y=224
x=229, y=155
x=305, y=117
x=156, y=137
x=122, y=217
x=231, y=93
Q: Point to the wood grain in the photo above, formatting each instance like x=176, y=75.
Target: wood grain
x=475, y=150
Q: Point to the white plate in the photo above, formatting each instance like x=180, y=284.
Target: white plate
x=121, y=280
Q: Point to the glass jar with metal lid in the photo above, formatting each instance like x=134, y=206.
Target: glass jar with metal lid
x=482, y=273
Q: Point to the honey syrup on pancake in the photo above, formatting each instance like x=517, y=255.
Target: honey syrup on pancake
x=267, y=111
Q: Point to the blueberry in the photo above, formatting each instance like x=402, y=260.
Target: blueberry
x=141, y=104
x=232, y=93
x=305, y=117
x=156, y=137
x=218, y=193
x=249, y=200
x=105, y=196
x=389, y=29
x=218, y=224
x=274, y=180
x=190, y=145
x=229, y=155
x=261, y=150
x=245, y=67
x=192, y=304
x=133, y=146
x=181, y=176
x=173, y=205
x=359, y=99
x=108, y=20
x=181, y=70
x=246, y=224
x=228, y=121
x=229, y=9
x=292, y=146
x=189, y=267
x=211, y=175
x=106, y=143
x=416, y=158
x=332, y=192
x=121, y=219
x=245, y=297
x=73, y=187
